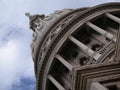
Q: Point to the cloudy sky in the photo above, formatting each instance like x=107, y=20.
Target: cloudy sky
x=16, y=65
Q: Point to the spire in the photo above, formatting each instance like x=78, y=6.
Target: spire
x=31, y=17
x=28, y=15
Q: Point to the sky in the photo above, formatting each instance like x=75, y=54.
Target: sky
x=16, y=64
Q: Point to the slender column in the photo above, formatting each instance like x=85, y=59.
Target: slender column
x=67, y=83
x=101, y=31
x=97, y=86
x=85, y=49
x=114, y=18
x=118, y=86
x=117, y=50
x=57, y=84
x=112, y=29
x=64, y=62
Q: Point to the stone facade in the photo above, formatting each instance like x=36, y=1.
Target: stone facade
x=77, y=49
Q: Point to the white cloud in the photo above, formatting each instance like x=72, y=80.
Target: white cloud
x=7, y=62
x=15, y=38
x=13, y=12
x=15, y=64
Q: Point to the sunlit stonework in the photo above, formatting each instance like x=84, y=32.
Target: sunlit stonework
x=77, y=49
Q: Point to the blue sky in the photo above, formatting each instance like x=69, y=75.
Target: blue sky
x=16, y=65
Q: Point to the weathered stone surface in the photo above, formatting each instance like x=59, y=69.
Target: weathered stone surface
x=77, y=49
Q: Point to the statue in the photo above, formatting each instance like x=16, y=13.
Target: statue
x=42, y=16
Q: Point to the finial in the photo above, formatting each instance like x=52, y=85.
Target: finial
x=28, y=14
